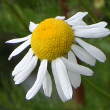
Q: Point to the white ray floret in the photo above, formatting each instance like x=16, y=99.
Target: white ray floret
x=19, y=49
x=19, y=78
x=22, y=62
x=60, y=17
x=97, y=25
x=95, y=52
x=71, y=57
x=62, y=79
x=75, y=79
x=92, y=32
x=47, y=85
x=39, y=81
x=83, y=55
x=19, y=40
x=76, y=68
x=77, y=19
x=32, y=26
x=79, y=15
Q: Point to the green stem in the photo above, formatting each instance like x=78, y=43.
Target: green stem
x=16, y=13
x=97, y=88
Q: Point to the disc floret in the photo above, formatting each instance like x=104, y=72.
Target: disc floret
x=52, y=39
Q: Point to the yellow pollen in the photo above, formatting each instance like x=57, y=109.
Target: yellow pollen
x=52, y=39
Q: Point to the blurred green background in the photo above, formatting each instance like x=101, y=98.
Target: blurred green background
x=15, y=15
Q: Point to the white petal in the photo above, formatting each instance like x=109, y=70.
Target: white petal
x=19, y=49
x=83, y=55
x=100, y=25
x=76, y=22
x=60, y=17
x=61, y=80
x=92, y=32
x=80, y=22
x=58, y=85
x=32, y=26
x=23, y=62
x=71, y=57
x=19, y=78
x=39, y=81
x=78, y=15
x=76, y=68
x=75, y=79
x=47, y=85
x=18, y=40
x=23, y=67
x=95, y=52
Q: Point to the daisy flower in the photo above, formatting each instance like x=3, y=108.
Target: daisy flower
x=58, y=42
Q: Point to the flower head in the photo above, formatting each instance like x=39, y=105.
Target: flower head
x=57, y=40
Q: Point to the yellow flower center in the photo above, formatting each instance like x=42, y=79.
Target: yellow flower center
x=52, y=39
